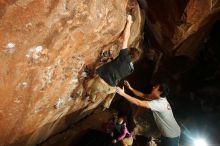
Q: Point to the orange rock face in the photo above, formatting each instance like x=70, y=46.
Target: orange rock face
x=45, y=46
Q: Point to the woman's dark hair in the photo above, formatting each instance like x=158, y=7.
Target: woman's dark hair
x=164, y=89
x=122, y=115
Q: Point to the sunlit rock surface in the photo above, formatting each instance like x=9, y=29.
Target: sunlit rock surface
x=46, y=46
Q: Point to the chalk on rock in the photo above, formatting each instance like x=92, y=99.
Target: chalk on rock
x=10, y=48
x=84, y=74
x=60, y=103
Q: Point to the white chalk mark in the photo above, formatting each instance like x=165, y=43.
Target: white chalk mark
x=34, y=52
x=10, y=45
x=22, y=86
x=60, y=103
x=10, y=48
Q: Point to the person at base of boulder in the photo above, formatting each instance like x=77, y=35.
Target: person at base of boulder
x=157, y=102
x=119, y=131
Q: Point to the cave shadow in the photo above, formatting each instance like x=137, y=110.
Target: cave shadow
x=203, y=91
x=195, y=86
x=96, y=138
x=164, y=17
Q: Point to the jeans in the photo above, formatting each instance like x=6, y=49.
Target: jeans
x=167, y=141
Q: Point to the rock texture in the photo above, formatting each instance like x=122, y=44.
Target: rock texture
x=181, y=26
x=45, y=46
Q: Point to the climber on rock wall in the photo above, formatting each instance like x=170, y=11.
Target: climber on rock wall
x=162, y=111
x=109, y=75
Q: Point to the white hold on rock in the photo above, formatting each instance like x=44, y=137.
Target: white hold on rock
x=70, y=98
x=22, y=85
x=74, y=80
x=28, y=25
x=34, y=52
x=60, y=103
x=84, y=74
x=10, y=47
x=87, y=98
x=38, y=49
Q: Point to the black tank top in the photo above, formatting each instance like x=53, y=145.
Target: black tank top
x=117, y=69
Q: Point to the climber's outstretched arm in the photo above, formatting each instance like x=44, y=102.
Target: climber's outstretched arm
x=127, y=32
